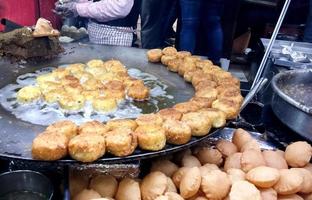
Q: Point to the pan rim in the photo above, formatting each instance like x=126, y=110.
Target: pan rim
x=284, y=96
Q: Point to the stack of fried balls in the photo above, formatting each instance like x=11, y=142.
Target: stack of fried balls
x=230, y=170
x=217, y=98
x=104, y=84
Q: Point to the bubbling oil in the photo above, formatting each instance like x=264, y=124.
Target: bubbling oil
x=43, y=113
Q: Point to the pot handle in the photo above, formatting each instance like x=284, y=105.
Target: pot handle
x=258, y=86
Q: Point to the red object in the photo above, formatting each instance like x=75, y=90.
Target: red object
x=27, y=12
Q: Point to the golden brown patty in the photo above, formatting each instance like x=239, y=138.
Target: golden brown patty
x=66, y=127
x=154, y=55
x=49, y=146
x=170, y=113
x=151, y=137
x=121, y=142
x=87, y=147
x=93, y=127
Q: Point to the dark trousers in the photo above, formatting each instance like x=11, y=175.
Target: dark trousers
x=157, y=18
x=308, y=27
x=201, y=30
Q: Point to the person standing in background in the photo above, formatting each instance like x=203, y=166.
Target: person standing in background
x=109, y=20
x=157, y=18
x=308, y=27
x=201, y=31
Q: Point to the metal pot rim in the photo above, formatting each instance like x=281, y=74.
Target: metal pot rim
x=33, y=172
x=288, y=99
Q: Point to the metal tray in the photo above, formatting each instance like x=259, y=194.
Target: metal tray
x=17, y=136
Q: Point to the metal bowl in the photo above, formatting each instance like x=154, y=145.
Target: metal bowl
x=24, y=185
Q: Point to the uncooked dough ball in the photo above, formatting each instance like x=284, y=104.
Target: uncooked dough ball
x=105, y=185
x=298, y=154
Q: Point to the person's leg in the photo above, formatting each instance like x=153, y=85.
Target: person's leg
x=212, y=29
x=308, y=27
x=154, y=22
x=190, y=20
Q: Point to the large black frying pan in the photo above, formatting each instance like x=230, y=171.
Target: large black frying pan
x=16, y=136
x=292, y=100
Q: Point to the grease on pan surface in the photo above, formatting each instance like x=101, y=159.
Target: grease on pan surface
x=80, y=92
x=152, y=131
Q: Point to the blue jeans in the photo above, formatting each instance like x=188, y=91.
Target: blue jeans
x=201, y=30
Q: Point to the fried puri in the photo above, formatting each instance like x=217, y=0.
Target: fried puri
x=209, y=155
x=128, y=189
x=121, y=142
x=216, y=184
x=87, y=147
x=263, y=177
x=298, y=154
x=233, y=161
x=154, y=55
x=121, y=123
x=105, y=185
x=87, y=194
x=273, y=159
x=93, y=127
x=243, y=190
x=289, y=183
x=149, y=119
x=153, y=185
x=170, y=113
x=190, y=182
x=165, y=166
x=151, y=137
x=49, y=146
x=226, y=148
x=138, y=92
x=186, y=107
x=199, y=124
x=65, y=127
x=177, y=132
x=190, y=161
x=250, y=159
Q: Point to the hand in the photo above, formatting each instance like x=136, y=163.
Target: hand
x=67, y=9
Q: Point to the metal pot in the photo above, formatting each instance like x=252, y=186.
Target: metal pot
x=291, y=101
x=25, y=184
